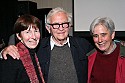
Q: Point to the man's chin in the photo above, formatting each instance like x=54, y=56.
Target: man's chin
x=61, y=38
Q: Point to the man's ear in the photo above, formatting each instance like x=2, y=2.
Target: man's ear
x=48, y=28
x=17, y=34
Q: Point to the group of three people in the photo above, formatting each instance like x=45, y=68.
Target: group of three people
x=62, y=58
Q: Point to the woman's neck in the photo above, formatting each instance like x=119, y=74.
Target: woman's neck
x=112, y=49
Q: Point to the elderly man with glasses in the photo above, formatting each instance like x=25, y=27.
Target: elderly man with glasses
x=62, y=58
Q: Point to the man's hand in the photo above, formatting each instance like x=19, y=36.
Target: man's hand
x=12, y=51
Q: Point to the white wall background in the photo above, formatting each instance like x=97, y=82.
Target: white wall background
x=86, y=10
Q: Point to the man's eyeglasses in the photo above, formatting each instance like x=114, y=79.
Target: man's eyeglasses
x=57, y=25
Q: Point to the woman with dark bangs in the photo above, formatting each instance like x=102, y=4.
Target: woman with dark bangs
x=27, y=69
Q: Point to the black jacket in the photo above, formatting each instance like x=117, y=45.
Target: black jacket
x=79, y=48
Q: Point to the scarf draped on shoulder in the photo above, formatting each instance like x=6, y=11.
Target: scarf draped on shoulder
x=28, y=64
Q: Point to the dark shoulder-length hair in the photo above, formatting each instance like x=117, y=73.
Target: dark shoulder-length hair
x=24, y=21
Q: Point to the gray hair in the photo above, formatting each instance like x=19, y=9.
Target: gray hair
x=105, y=21
x=57, y=10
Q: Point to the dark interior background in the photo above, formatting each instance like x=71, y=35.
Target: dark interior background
x=7, y=18
x=11, y=10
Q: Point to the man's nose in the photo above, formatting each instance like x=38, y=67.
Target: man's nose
x=61, y=27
